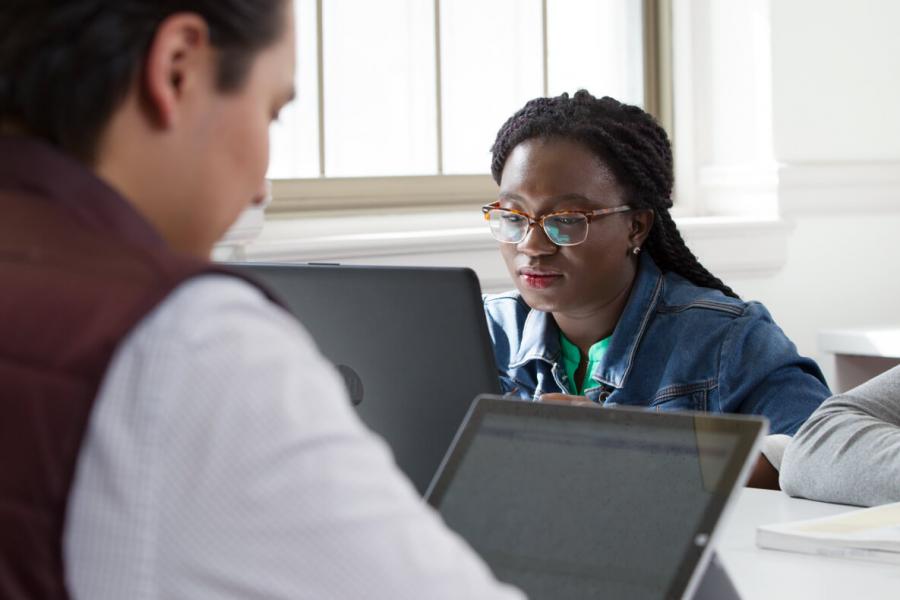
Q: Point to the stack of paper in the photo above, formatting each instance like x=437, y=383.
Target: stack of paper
x=868, y=534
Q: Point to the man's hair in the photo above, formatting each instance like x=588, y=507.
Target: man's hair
x=66, y=65
x=633, y=145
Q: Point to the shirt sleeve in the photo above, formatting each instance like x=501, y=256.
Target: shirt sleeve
x=849, y=450
x=250, y=474
x=761, y=373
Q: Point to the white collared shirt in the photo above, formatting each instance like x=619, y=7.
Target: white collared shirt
x=223, y=460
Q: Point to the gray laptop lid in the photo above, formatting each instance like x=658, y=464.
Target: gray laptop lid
x=411, y=343
x=581, y=502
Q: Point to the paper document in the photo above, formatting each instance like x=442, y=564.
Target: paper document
x=867, y=534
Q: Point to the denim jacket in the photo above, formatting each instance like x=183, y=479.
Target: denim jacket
x=676, y=346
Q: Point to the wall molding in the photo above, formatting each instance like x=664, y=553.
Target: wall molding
x=748, y=190
x=334, y=237
x=809, y=189
x=729, y=246
x=738, y=247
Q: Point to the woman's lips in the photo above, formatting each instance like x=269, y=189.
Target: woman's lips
x=539, y=279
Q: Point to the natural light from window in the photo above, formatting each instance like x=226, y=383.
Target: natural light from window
x=386, y=112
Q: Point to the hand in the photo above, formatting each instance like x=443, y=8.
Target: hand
x=568, y=399
x=763, y=475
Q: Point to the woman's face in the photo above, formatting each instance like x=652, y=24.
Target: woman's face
x=548, y=175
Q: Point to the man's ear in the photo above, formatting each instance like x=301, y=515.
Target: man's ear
x=641, y=221
x=180, y=59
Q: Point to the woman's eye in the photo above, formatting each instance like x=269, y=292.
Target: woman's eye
x=512, y=218
x=567, y=219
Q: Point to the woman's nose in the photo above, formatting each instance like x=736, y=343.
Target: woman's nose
x=536, y=242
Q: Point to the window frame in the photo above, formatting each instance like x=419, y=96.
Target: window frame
x=329, y=195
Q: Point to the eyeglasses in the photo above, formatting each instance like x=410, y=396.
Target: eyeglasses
x=563, y=228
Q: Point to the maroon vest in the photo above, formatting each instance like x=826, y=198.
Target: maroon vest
x=79, y=268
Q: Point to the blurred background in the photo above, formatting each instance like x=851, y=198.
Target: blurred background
x=784, y=116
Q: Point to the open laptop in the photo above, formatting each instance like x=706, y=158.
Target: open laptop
x=581, y=502
x=411, y=343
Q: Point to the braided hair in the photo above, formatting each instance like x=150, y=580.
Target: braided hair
x=633, y=145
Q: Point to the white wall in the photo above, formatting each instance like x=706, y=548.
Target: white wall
x=836, y=125
x=836, y=80
x=841, y=271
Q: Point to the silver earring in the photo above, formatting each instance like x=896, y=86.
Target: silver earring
x=636, y=250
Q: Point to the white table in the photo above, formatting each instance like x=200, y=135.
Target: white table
x=860, y=354
x=761, y=573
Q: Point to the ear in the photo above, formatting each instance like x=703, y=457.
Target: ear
x=180, y=59
x=640, y=223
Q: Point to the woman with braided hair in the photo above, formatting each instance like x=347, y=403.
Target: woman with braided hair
x=611, y=306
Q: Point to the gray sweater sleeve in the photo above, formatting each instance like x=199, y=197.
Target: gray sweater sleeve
x=849, y=449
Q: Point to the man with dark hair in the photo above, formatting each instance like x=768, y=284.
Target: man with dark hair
x=167, y=430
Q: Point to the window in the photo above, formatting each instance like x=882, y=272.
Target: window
x=400, y=100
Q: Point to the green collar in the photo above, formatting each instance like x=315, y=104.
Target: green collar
x=571, y=358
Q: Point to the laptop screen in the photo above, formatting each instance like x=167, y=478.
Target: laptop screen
x=410, y=342
x=590, y=503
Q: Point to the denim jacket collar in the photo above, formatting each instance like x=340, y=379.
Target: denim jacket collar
x=540, y=340
x=540, y=333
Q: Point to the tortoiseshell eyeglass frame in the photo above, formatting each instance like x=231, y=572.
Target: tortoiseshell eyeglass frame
x=533, y=221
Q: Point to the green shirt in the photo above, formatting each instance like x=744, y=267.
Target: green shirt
x=571, y=358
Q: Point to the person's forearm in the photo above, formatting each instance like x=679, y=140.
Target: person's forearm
x=844, y=454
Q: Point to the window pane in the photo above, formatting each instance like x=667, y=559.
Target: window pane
x=596, y=45
x=491, y=64
x=380, y=105
x=294, y=138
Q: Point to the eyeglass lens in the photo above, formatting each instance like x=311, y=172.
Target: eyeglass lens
x=563, y=229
